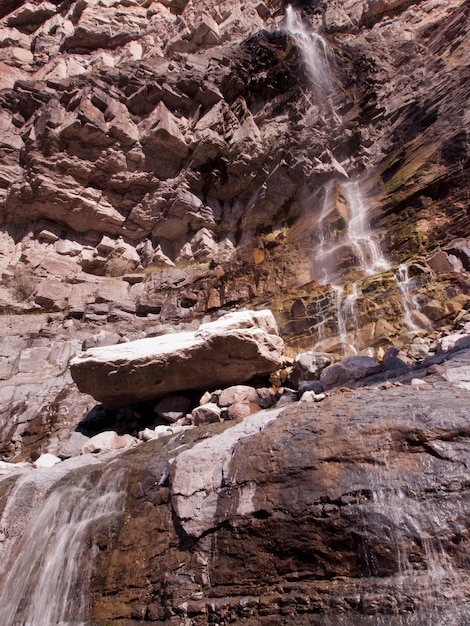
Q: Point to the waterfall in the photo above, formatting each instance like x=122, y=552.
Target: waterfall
x=346, y=309
x=357, y=246
x=47, y=567
x=411, y=531
x=409, y=302
x=314, y=52
x=368, y=251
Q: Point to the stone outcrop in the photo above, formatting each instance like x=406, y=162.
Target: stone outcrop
x=353, y=509
x=233, y=349
x=143, y=137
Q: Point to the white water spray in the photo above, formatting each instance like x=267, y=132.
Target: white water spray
x=346, y=309
x=364, y=241
x=358, y=245
x=408, y=300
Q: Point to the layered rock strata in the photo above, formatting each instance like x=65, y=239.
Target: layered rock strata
x=140, y=137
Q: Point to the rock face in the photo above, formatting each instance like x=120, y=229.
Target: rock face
x=163, y=162
x=233, y=349
x=187, y=134
x=350, y=511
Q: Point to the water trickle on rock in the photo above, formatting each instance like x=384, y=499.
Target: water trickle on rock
x=409, y=301
x=345, y=248
x=314, y=52
x=46, y=560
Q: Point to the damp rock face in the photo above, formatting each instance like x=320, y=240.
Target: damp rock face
x=233, y=349
x=314, y=506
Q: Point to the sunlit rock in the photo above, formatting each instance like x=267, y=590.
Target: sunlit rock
x=233, y=349
x=46, y=461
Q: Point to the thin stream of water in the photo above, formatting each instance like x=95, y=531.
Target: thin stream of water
x=358, y=241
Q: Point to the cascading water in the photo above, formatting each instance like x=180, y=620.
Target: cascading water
x=409, y=302
x=314, y=52
x=408, y=530
x=49, y=516
x=369, y=254
x=355, y=247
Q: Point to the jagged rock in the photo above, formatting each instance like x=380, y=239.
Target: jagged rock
x=351, y=369
x=233, y=349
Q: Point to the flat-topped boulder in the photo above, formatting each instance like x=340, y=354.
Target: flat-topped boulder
x=231, y=350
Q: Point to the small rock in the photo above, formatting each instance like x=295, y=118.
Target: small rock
x=312, y=385
x=48, y=236
x=73, y=446
x=206, y=414
x=107, y=440
x=436, y=369
x=266, y=397
x=353, y=368
x=418, y=349
x=46, y=461
x=420, y=385
x=240, y=410
x=205, y=398
x=162, y=431
x=394, y=359
x=308, y=366
x=286, y=398
x=146, y=435
x=451, y=343
x=238, y=393
x=308, y=396
x=103, y=338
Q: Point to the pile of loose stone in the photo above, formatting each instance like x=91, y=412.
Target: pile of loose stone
x=310, y=377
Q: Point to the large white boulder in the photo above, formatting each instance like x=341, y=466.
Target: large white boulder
x=231, y=350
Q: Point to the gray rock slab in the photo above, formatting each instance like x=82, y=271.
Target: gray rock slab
x=231, y=350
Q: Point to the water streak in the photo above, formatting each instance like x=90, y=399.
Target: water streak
x=48, y=579
x=369, y=254
x=409, y=301
x=346, y=310
x=314, y=52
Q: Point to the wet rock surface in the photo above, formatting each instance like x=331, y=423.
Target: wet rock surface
x=349, y=511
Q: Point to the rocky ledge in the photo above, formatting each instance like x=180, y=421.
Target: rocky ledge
x=234, y=349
